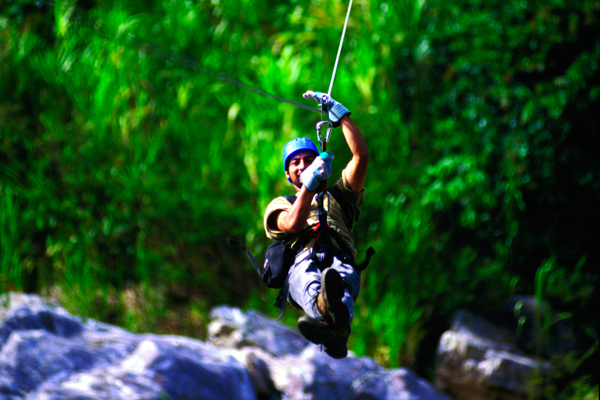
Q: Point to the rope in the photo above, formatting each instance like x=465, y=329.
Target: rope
x=192, y=64
x=339, y=49
x=324, y=143
x=185, y=61
x=242, y=85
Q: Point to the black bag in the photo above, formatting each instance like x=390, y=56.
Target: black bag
x=278, y=260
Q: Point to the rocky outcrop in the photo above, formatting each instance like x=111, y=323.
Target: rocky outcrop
x=48, y=354
x=300, y=370
x=478, y=360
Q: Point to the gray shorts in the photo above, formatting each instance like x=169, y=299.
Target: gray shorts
x=305, y=283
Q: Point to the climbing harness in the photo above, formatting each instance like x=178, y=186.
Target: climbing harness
x=280, y=255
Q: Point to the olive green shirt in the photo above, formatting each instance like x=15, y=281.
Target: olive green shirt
x=335, y=217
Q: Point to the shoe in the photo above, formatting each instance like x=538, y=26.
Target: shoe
x=333, y=339
x=333, y=288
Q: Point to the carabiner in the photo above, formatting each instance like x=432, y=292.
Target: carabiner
x=321, y=198
x=327, y=135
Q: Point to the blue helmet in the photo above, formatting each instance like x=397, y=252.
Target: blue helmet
x=294, y=146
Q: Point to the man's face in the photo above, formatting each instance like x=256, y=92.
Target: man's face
x=298, y=163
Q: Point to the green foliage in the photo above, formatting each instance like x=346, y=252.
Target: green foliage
x=10, y=271
x=130, y=149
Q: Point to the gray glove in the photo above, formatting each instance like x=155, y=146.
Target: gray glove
x=335, y=110
x=317, y=172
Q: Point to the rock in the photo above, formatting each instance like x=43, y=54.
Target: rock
x=477, y=360
x=301, y=370
x=536, y=328
x=230, y=327
x=261, y=377
x=48, y=354
x=477, y=327
x=160, y=368
x=30, y=358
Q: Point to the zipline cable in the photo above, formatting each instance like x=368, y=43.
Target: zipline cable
x=186, y=61
x=190, y=63
x=337, y=59
x=339, y=49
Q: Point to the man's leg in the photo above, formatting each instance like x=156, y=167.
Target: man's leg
x=305, y=284
x=330, y=299
x=351, y=279
x=319, y=331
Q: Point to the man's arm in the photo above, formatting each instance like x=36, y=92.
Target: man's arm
x=356, y=170
x=294, y=220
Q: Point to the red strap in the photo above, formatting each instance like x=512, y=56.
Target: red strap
x=318, y=230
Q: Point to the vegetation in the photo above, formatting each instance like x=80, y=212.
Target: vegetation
x=131, y=147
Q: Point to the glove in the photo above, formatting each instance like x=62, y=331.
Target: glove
x=335, y=110
x=317, y=172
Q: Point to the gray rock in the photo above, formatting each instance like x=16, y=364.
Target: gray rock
x=160, y=368
x=32, y=357
x=48, y=354
x=232, y=328
x=30, y=313
x=477, y=360
x=474, y=326
x=309, y=374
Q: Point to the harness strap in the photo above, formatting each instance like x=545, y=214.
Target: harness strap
x=341, y=252
x=248, y=253
x=281, y=300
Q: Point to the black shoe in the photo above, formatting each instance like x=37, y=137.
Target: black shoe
x=333, y=339
x=333, y=287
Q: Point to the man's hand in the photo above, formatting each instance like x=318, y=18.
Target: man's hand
x=335, y=110
x=317, y=172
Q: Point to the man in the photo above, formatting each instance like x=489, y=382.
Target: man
x=322, y=285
